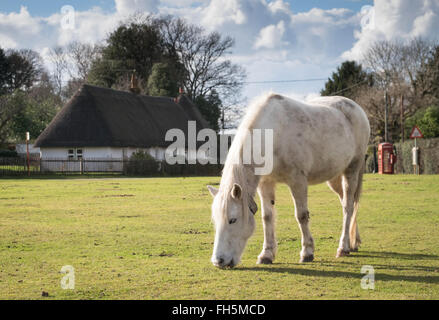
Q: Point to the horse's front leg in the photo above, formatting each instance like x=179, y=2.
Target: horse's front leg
x=350, y=185
x=299, y=190
x=266, y=191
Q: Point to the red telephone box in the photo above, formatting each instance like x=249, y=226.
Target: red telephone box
x=386, y=159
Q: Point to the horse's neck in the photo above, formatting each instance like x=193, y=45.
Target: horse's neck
x=245, y=176
x=235, y=171
x=252, y=179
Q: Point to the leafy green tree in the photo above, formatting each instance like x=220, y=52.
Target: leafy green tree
x=28, y=111
x=210, y=107
x=40, y=105
x=19, y=69
x=4, y=69
x=27, y=99
x=10, y=106
x=427, y=120
x=136, y=44
x=24, y=69
x=162, y=82
x=344, y=82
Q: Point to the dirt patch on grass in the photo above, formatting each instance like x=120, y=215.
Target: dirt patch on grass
x=193, y=231
x=116, y=196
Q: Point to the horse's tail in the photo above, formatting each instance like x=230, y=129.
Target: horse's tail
x=354, y=238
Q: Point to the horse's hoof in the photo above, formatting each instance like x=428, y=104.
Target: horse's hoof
x=354, y=250
x=265, y=261
x=309, y=258
x=342, y=253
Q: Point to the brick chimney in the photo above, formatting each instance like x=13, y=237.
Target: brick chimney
x=134, y=88
x=180, y=94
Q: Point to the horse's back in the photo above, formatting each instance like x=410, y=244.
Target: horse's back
x=351, y=110
x=320, y=138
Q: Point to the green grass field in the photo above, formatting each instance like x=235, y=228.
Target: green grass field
x=152, y=239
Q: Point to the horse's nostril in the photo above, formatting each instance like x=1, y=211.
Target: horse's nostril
x=221, y=261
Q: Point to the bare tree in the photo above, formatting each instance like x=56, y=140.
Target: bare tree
x=395, y=66
x=427, y=79
x=396, y=63
x=204, y=60
x=81, y=56
x=372, y=99
x=383, y=59
x=231, y=115
x=58, y=58
x=71, y=66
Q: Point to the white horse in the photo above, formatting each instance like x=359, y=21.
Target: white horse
x=324, y=140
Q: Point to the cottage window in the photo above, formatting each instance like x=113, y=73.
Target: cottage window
x=75, y=154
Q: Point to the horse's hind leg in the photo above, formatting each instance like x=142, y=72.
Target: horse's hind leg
x=336, y=185
x=299, y=191
x=266, y=191
x=350, y=183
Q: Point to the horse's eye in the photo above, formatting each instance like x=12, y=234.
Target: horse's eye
x=232, y=221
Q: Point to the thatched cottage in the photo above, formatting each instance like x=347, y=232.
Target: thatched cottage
x=102, y=123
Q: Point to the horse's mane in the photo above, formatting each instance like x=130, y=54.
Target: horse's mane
x=234, y=170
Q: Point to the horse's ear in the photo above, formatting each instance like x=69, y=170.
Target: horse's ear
x=213, y=191
x=253, y=206
x=236, y=192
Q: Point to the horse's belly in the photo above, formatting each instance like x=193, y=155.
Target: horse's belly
x=327, y=167
x=318, y=162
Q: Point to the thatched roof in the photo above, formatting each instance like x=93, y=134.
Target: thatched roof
x=101, y=117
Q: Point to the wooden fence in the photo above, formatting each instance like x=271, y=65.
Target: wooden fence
x=36, y=166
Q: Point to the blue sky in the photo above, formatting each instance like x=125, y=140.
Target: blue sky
x=275, y=39
x=46, y=8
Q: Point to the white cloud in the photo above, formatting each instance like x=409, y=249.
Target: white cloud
x=279, y=6
x=396, y=19
x=219, y=12
x=425, y=24
x=17, y=28
x=21, y=30
x=272, y=41
x=127, y=7
x=181, y=3
x=271, y=36
x=7, y=42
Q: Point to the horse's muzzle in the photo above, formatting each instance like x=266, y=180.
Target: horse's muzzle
x=221, y=263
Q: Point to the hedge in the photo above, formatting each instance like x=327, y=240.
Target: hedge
x=428, y=156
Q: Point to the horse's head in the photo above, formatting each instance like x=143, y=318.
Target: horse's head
x=233, y=214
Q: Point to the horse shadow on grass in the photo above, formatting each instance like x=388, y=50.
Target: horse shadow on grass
x=397, y=255
x=344, y=274
x=379, y=276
